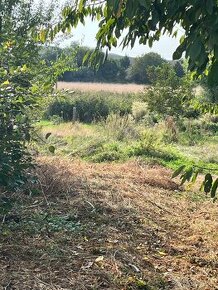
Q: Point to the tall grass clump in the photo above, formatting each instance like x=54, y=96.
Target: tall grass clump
x=119, y=127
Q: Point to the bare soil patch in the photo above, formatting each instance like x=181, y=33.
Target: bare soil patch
x=109, y=226
x=95, y=87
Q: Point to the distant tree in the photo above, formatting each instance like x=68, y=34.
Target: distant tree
x=137, y=71
x=50, y=53
x=123, y=65
x=108, y=71
x=147, y=20
x=178, y=67
x=124, y=62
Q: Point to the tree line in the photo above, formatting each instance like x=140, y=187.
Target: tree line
x=114, y=68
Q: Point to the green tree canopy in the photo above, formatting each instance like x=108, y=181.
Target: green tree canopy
x=147, y=20
x=138, y=70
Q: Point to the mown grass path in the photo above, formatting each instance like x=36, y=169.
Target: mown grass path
x=108, y=226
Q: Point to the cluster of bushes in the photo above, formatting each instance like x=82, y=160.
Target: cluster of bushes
x=89, y=107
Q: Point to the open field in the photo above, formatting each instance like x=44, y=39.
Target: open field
x=92, y=87
x=109, y=226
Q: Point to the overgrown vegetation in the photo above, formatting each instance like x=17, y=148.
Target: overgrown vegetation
x=19, y=81
x=97, y=210
x=153, y=126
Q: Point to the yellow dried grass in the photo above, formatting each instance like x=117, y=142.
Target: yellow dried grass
x=96, y=87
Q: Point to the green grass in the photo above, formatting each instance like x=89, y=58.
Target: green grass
x=94, y=143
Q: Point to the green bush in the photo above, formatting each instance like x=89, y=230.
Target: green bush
x=15, y=133
x=150, y=141
x=169, y=95
x=166, y=100
x=139, y=110
x=89, y=106
x=106, y=156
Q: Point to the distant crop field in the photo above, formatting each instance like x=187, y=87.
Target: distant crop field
x=93, y=87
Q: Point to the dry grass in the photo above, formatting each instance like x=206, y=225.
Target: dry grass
x=95, y=87
x=70, y=129
x=132, y=227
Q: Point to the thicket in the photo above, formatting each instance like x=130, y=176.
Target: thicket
x=89, y=107
x=24, y=80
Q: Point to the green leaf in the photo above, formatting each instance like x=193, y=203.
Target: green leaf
x=115, y=5
x=81, y=5
x=47, y=135
x=177, y=54
x=212, y=75
x=209, y=6
x=216, y=52
x=150, y=41
x=187, y=176
x=86, y=57
x=51, y=149
x=144, y=3
x=194, y=177
x=195, y=49
x=208, y=182
x=130, y=9
x=214, y=188
x=178, y=171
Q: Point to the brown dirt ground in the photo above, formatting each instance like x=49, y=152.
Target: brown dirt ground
x=137, y=230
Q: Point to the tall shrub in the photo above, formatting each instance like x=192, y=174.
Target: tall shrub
x=18, y=86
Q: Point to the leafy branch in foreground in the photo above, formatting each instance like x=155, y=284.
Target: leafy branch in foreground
x=190, y=174
x=147, y=20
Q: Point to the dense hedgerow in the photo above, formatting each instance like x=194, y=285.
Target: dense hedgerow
x=89, y=106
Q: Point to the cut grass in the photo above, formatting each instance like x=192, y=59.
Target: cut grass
x=108, y=226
